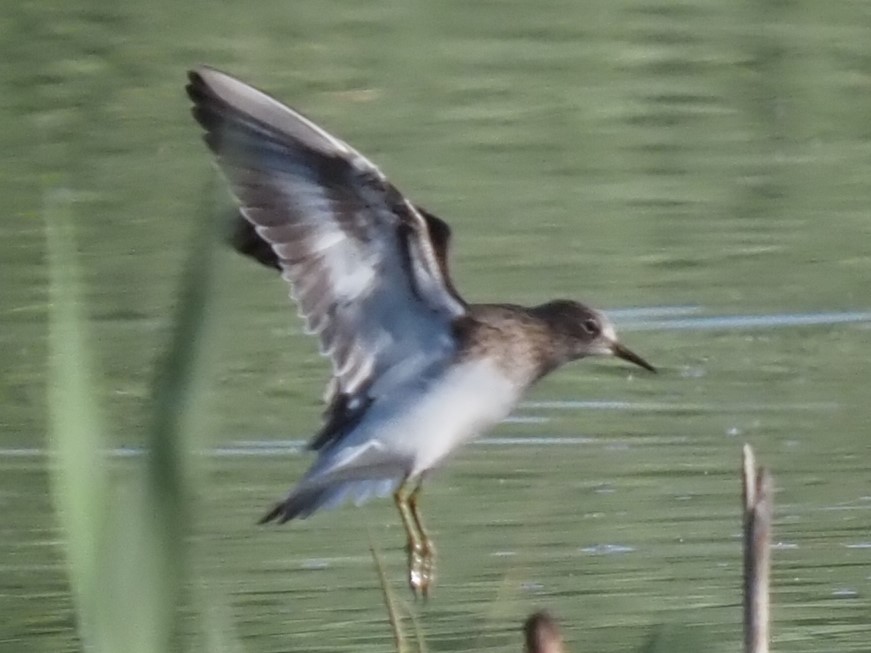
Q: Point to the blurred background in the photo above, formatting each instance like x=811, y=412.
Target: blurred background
x=698, y=168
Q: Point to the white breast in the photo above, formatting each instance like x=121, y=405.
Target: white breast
x=463, y=402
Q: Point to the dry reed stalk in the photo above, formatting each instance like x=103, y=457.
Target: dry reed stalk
x=758, y=498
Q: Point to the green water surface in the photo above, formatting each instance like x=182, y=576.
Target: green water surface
x=705, y=154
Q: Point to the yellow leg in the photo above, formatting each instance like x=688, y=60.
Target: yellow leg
x=414, y=545
x=427, y=548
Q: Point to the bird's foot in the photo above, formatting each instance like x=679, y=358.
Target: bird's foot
x=427, y=567
x=421, y=568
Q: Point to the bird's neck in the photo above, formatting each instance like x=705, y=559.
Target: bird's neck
x=525, y=345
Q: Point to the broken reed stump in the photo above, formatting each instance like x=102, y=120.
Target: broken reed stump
x=541, y=634
x=758, y=491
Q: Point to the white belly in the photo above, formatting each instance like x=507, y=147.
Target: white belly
x=415, y=428
x=468, y=400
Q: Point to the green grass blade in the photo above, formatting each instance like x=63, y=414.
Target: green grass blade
x=80, y=483
x=161, y=520
x=126, y=542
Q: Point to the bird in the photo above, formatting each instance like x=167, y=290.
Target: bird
x=416, y=371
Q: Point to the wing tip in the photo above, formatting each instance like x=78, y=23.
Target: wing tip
x=301, y=503
x=199, y=76
x=276, y=513
x=197, y=87
x=207, y=106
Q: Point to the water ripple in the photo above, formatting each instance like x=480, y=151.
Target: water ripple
x=720, y=322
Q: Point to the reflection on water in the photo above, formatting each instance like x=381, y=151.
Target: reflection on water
x=647, y=312
x=657, y=406
x=748, y=321
x=606, y=549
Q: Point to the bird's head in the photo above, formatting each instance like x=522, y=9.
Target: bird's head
x=586, y=331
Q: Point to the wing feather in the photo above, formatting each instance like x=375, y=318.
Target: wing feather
x=366, y=267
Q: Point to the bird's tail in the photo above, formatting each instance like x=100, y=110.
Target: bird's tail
x=305, y=501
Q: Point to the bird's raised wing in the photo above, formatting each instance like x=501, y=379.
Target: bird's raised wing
x=366, y=267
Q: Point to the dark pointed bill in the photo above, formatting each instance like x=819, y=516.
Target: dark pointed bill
x=628, y=355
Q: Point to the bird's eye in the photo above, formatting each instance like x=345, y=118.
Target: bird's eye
x=591, y=326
